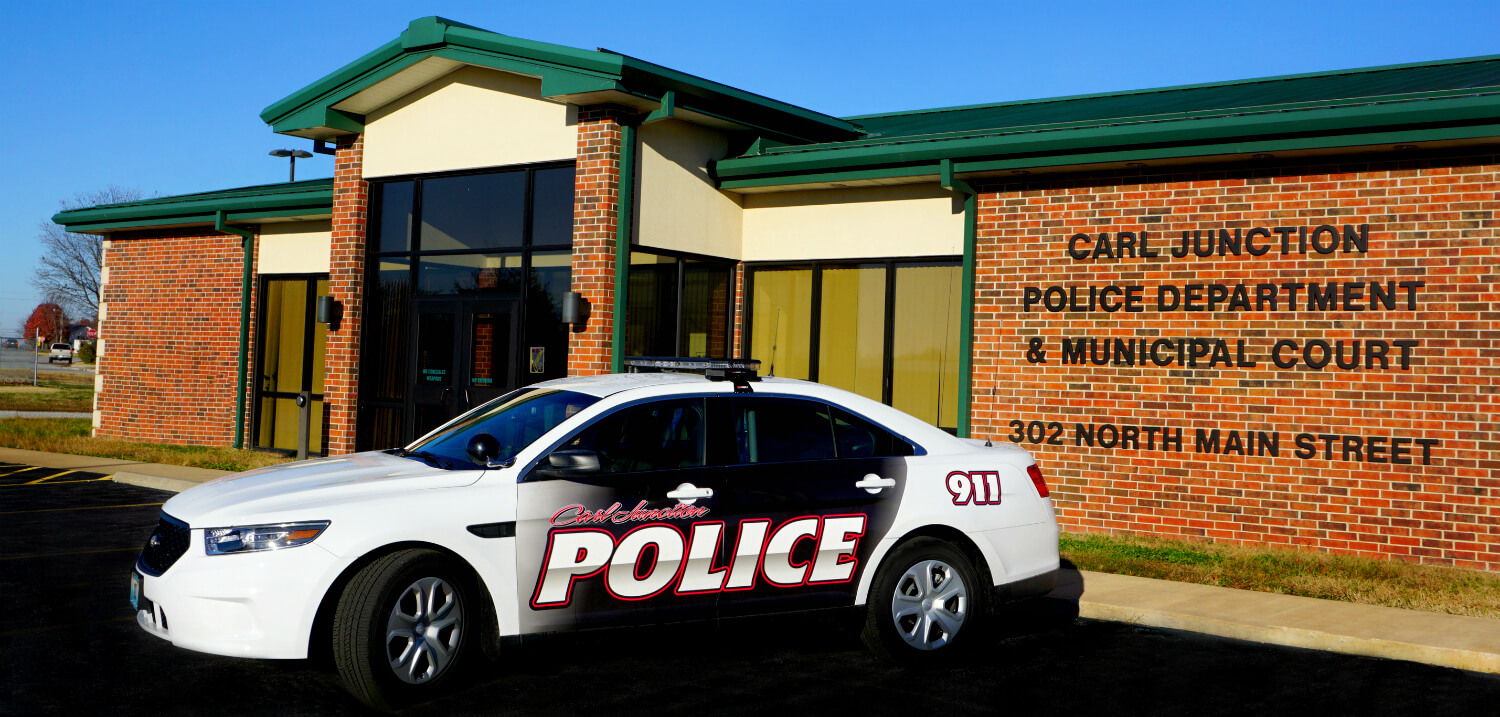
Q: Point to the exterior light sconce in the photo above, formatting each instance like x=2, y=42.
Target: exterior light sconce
x=575, y=310
x=329, y=312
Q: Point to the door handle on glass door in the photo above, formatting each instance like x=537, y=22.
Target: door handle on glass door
x=688, y=494
x=874, y=484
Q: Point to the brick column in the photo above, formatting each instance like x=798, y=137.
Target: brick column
x=346, y=280
x=595, y=209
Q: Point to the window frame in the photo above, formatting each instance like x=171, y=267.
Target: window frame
x=681, y=259
x=255, y=413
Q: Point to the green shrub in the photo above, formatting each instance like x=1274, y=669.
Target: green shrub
x=86, y=352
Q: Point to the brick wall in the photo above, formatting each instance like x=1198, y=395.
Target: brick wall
x=171, y=336
x=1429, y=219
x=596, y=193
x=346, y=279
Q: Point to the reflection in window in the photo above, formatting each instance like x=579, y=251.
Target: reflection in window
x=678, y=307
x=393, y=214
x=774, y=431
x=473, y=211
x=469, y=274
x=653, y=437
x=782, y=311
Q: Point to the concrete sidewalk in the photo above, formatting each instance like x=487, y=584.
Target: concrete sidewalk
x=1466, y=643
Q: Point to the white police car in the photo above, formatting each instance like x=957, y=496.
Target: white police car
x=602, y=501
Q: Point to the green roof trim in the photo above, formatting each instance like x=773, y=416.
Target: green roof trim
x=1419, y=101
x=563, y=70
x=265, y=201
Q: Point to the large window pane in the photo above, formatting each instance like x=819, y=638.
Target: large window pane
x=393, y=206
x=475, y=211
x=706, y=288
x=469, y=273
x=851, y=329
x=781, y=321
x=651, y=306
x=551, y=276
x=924, y=372
x=552, y=207
x=383, y=363
x=281, y=356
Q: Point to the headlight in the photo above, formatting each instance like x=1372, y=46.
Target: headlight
x=250, y=538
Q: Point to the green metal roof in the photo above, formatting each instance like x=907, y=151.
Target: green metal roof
x=1452, y=99
x=260, y=202
x=564, y=71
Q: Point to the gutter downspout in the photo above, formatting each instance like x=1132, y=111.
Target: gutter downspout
x=625, y=225
x=966, y=312
x=247, y=243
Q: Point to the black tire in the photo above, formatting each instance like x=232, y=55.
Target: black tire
x=364, y=609
x=881, y=633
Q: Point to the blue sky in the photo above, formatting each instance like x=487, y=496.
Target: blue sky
x=165, y=96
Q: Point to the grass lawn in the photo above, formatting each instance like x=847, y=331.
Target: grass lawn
x=55, y=391
x=71, y=435
x=1291, y=572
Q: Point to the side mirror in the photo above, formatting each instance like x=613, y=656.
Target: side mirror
x=483, y=449
x=569, y=462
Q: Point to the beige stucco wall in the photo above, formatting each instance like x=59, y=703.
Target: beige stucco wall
x=469, y=118
x=679, y=207
x=906, y=220
x=295, y=247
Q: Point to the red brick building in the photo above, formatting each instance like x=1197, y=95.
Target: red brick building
x=1258, y=311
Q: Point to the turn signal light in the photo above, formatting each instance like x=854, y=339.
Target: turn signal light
x=1036, y=480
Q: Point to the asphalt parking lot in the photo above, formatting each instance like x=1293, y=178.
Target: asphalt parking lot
x=70, y=646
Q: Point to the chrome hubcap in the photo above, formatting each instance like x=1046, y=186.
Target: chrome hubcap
x=423, y=630
x=929, y=605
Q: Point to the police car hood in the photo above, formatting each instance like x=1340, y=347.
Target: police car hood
x=297, y=491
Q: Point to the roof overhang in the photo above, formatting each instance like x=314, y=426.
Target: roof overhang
x=430, y=47
x=1404, y=121
x=293, y=201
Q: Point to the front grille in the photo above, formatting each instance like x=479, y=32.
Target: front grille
x=166, y=544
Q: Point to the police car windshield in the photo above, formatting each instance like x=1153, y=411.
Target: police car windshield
x=515, y=420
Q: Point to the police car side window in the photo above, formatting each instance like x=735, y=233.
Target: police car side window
x=858, y=438
x=663, y=435
x=780, y=430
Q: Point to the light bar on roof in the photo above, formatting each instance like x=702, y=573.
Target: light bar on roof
x=646, y=363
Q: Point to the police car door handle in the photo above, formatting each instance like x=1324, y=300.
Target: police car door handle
x=874, y=484
x=687, y=493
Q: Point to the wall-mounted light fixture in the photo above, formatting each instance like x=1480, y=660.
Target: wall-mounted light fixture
x=575, y=310
x=329, y=311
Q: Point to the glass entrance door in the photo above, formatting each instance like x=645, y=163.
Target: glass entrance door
x=464, y=355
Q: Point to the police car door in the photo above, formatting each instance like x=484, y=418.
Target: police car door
x=603, y=528
x=812, y=491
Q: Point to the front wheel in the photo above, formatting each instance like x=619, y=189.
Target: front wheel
x=924, y=602
x=401, y=628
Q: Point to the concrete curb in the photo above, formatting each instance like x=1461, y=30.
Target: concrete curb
x=1296, y=637
x=1457, y=641
x=145, y=480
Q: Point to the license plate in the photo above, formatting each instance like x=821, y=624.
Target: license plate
x=135, y=591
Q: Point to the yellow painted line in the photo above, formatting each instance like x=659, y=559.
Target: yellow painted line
x=82, y=507
x=59, y=475
x=50, y=628
x=60, y=555
x=61, y=482
x=22, y=470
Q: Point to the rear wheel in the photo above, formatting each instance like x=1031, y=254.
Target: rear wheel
x=401, y=628
x=923, y=603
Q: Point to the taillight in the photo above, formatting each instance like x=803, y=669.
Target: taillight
x=1036, y=480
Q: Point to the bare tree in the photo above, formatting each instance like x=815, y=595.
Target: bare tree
x=69, y=271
